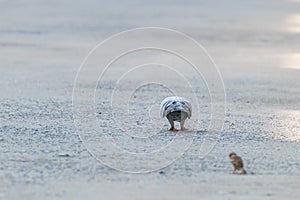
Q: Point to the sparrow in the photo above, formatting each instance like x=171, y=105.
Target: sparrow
x=237, y=163
x=176, y=109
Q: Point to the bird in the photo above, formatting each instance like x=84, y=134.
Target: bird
x=237, y=163
x=176, y=109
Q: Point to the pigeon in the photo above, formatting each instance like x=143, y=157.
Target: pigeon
x=176, y=109
x=237, y=163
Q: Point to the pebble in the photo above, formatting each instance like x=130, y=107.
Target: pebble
x=64, y=155
x=161, y=172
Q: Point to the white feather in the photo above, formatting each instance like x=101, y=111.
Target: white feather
x=171, y=104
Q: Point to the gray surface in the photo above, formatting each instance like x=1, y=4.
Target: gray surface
x=256, y=47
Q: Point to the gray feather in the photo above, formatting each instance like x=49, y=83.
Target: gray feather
x=172, y=104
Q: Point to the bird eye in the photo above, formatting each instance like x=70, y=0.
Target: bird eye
x=183, y=103
x=174, y=102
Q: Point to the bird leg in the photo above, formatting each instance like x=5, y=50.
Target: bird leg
x=182, y=125
x=242, y=171
x=172, y=125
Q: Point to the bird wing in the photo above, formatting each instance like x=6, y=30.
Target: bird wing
x=237, y=162
x=171, y=104
x=240, y=162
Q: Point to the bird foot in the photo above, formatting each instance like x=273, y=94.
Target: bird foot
x=174, y=129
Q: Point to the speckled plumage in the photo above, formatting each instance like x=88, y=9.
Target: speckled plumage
x=237, y=163
x=176, y=109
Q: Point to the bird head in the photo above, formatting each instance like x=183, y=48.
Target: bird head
x=232, y=154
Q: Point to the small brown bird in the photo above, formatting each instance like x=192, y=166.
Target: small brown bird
x=237, y=163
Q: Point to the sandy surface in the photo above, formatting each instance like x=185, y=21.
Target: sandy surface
x=256, y=46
